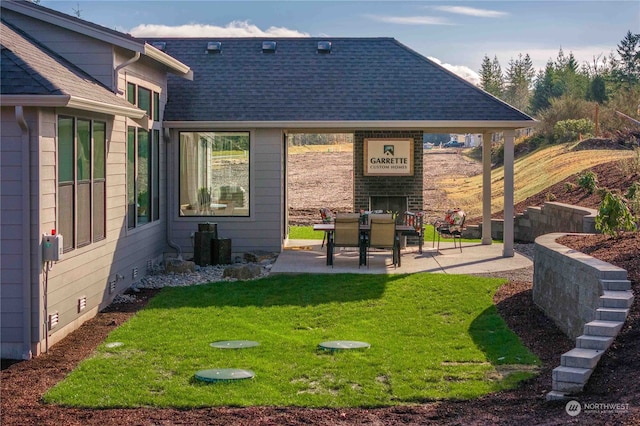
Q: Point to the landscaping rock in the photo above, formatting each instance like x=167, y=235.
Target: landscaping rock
x=179, y=266
x=242, y=272
x=258, y=256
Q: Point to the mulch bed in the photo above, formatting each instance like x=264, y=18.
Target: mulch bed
x=616, y=380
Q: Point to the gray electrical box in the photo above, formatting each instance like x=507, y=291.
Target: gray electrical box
x=51, y=247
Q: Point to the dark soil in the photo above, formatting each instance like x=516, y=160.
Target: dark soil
x=616, y=379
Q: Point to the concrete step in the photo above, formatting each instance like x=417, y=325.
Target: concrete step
x=589, y=341
x=573, y=375
x=603, y=328
x=556, y=396
x=567, y=387
x=612, y=314
x=616, y=285
x=616, y=299
x=581, y=358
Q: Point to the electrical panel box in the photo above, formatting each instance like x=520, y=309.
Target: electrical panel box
x=51, y=247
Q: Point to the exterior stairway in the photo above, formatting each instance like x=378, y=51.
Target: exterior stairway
x=577, y=365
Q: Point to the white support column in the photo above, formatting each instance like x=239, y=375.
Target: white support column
x=486, y=188
x=509, y=136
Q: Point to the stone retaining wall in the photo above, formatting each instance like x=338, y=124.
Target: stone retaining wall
x=567, y=284
x=536, y=221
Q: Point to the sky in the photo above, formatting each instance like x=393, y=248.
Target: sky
x=453, y=33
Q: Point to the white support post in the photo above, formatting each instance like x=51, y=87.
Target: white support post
x=509, y=136
x=486, y=188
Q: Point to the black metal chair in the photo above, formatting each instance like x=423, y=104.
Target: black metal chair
x=327, y=216
x=416, y=222
x=451, y=226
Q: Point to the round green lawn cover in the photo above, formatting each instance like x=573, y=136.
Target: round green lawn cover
x=224, y=374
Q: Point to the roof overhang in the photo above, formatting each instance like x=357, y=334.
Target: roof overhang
x=106, y=35
x=174, y=65
x=474, y=126
x=67, y=101
x=74, y=24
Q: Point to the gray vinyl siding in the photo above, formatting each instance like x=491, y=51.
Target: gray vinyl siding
x=263, y=229
x=87, y=271
x=13, y=222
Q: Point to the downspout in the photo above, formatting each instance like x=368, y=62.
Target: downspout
x=169, y=192
x=26, y=234
x=119, y=67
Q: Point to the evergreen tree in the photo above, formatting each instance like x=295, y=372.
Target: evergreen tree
x=519, y=80
x=597, y=90
x=491, y=76
x=627, y=70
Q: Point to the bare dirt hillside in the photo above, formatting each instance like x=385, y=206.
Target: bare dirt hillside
x=311, y=188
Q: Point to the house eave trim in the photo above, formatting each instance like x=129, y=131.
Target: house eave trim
x=475, y=125
x=104, y=108
x=173, y=64
x=35, y=100
x=58, y=101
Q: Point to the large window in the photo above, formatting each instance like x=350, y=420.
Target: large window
x=214, y=174
x=81, y=181
x=143, y=167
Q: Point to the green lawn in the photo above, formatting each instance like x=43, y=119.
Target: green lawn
x=432, y=337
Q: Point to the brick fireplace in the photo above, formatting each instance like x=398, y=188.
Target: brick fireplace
x=397, y=193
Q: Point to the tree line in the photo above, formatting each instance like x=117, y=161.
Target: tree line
x=566, y=90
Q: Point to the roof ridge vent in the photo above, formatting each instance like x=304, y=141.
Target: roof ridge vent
x=324, y=47
x=214, y=47
x=269, y=46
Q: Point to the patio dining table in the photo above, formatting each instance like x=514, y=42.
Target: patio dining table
x=329, y=228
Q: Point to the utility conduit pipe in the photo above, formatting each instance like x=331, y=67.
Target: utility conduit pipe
x=26, y=233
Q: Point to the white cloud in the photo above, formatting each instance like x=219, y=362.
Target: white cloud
x=472, y=11
x=410, y=20
x=462, y=71
x=232, y=29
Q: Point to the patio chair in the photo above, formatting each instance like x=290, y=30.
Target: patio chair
x=382, y=235
x=416, y=222
x=327, y=216
x=346, y=234
x=451, y=226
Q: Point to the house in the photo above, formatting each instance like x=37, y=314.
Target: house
x=80, y=147
x=122, y=146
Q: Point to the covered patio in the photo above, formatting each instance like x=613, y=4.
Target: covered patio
x=307, y=256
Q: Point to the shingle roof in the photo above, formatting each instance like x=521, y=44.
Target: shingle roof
x=360, y=79
x=28, y=68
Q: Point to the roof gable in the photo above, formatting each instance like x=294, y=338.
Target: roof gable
x=360, y=79
x=28, y=68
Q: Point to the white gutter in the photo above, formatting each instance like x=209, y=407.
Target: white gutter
x=444, y=126
x=119, y=67
x=175, y=65
x=35, y=100
x=101, y=107
x=26, y=234
x=71, y=102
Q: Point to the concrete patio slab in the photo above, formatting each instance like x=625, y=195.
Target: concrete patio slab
x=307, y=256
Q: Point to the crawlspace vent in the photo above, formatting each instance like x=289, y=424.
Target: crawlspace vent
x=54, y=319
